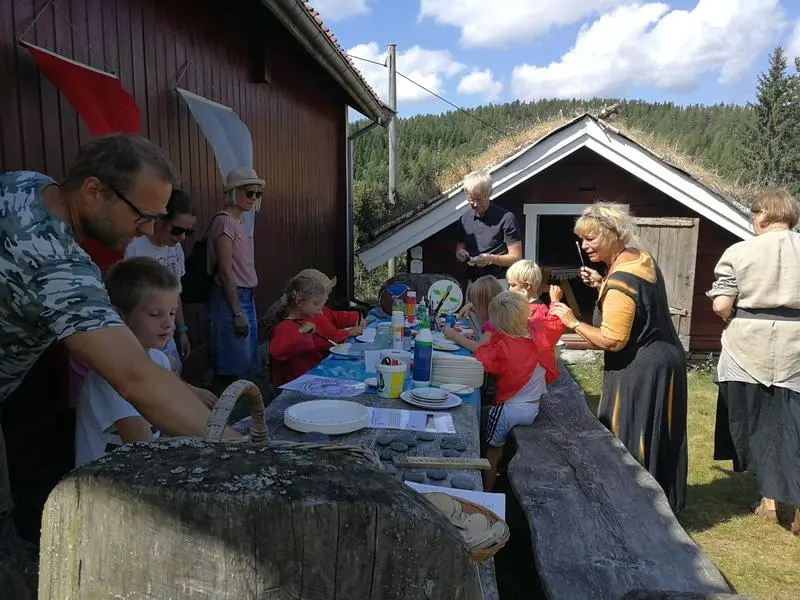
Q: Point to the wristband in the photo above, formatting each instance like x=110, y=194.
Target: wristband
x=181, y=329
x=236, y=315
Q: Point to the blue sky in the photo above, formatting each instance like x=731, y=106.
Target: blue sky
x=476, y=51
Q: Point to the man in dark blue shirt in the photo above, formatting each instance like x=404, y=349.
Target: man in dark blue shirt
x=488, y=235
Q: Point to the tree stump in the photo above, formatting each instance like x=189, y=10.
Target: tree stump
x=19, y=563
x=188, y=519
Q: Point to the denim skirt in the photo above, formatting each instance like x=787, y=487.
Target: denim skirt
x=229, y=354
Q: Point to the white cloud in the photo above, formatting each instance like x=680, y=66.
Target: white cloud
x=338, y=10
x=651, y=45
x=793, y=47
x=430, y=68
x=480, y=83
x=498, y=23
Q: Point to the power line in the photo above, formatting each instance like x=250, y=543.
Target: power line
x=432, y=93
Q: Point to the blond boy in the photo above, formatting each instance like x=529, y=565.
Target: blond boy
x=146, y=296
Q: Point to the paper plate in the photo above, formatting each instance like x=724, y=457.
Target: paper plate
x=445, y=346
x=457, y=388
x=429, y=394
x=343, y=351
x=371, y=381
x=332, y=417
x=451, y=402
x=446, y=292
x=365, y=339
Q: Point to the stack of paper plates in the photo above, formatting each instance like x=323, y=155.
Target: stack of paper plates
x=333, y=417
x=429, y=394
x=449, y=400
x=451, y=368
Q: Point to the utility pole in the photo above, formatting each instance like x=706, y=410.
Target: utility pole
x=392, y=60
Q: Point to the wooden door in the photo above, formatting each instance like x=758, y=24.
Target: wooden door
x=673, y=243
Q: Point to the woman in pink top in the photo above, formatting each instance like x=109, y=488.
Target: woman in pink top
x=231, y=309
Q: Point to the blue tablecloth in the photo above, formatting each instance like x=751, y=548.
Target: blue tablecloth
x=354, y=369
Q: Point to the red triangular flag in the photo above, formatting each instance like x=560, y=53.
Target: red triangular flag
x=98, y=97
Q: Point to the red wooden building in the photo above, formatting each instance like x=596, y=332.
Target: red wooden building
x=273, y=63
x=547, y=183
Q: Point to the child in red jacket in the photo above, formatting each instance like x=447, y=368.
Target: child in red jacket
x=331, y=323
x=295, y=345
x=525, y=278
x=512, y=355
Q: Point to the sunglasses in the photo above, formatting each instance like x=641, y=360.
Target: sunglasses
x=251, y=194
x=141, y=217
x=177, y=231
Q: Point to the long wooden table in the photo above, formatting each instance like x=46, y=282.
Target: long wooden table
x=466, y=424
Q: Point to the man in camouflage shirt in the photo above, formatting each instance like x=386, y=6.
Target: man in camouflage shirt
x=52, y=291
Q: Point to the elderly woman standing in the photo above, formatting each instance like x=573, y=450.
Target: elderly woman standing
x=644, y=375
x=757, y=292
x=231, y=309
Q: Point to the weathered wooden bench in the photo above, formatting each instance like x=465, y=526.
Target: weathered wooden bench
x=600, y=525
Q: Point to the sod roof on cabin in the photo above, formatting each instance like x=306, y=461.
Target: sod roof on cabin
x=738, y=195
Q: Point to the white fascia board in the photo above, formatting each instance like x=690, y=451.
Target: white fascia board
x=633, y=159
x=505, y=176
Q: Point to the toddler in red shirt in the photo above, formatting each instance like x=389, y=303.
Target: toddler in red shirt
x=525, y=278
x=511, y=354
x=479, y=295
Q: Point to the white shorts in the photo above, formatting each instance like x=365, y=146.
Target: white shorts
x=504, y=417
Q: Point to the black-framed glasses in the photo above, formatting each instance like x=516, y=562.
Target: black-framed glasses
x=251, y=194
x=176, y=231
x=141, y=217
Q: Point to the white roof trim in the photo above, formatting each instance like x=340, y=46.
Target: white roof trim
x=583, y=132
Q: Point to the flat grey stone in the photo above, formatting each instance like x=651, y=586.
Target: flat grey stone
x=426, y=436
x=386, y=454
x=462, y=482
x=458, y=445
x=408, y=440
x=450, y=453
x=437, y=474
x=384, y=439
x=414, y=476
x=453, y=443
x=398, y=446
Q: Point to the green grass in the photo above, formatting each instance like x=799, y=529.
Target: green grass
x=760, y=559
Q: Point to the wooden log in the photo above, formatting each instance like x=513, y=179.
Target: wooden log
x=19, y=569
x=600, y=524
x=661, y=595
x=189, y=519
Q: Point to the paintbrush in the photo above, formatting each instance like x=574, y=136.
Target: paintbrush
x=580, y=254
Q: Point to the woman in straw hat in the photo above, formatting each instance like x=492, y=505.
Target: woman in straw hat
x=231, y=310
x=757, y=294
x=644, y=376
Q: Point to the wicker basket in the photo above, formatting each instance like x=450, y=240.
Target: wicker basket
x=480, y=555
x=258, y=430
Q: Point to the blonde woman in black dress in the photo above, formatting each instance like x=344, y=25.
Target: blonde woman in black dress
x=644, y=375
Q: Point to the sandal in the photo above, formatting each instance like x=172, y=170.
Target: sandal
x=770, y=514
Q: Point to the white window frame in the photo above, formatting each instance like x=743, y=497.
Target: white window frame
x=532, y=213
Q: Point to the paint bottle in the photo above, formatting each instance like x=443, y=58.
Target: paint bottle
x=423, y=357
x=411, y=307
x=398, y=322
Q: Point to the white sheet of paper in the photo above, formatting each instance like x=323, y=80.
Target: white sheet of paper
x=494, y=502
x=413, y=420
x=371, y=358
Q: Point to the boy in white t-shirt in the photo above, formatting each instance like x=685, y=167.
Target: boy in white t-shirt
x=146, y=295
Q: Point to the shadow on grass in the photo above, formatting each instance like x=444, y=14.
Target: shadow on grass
x=727, y=496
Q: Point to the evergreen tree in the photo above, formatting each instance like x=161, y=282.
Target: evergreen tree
x=771, y=139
